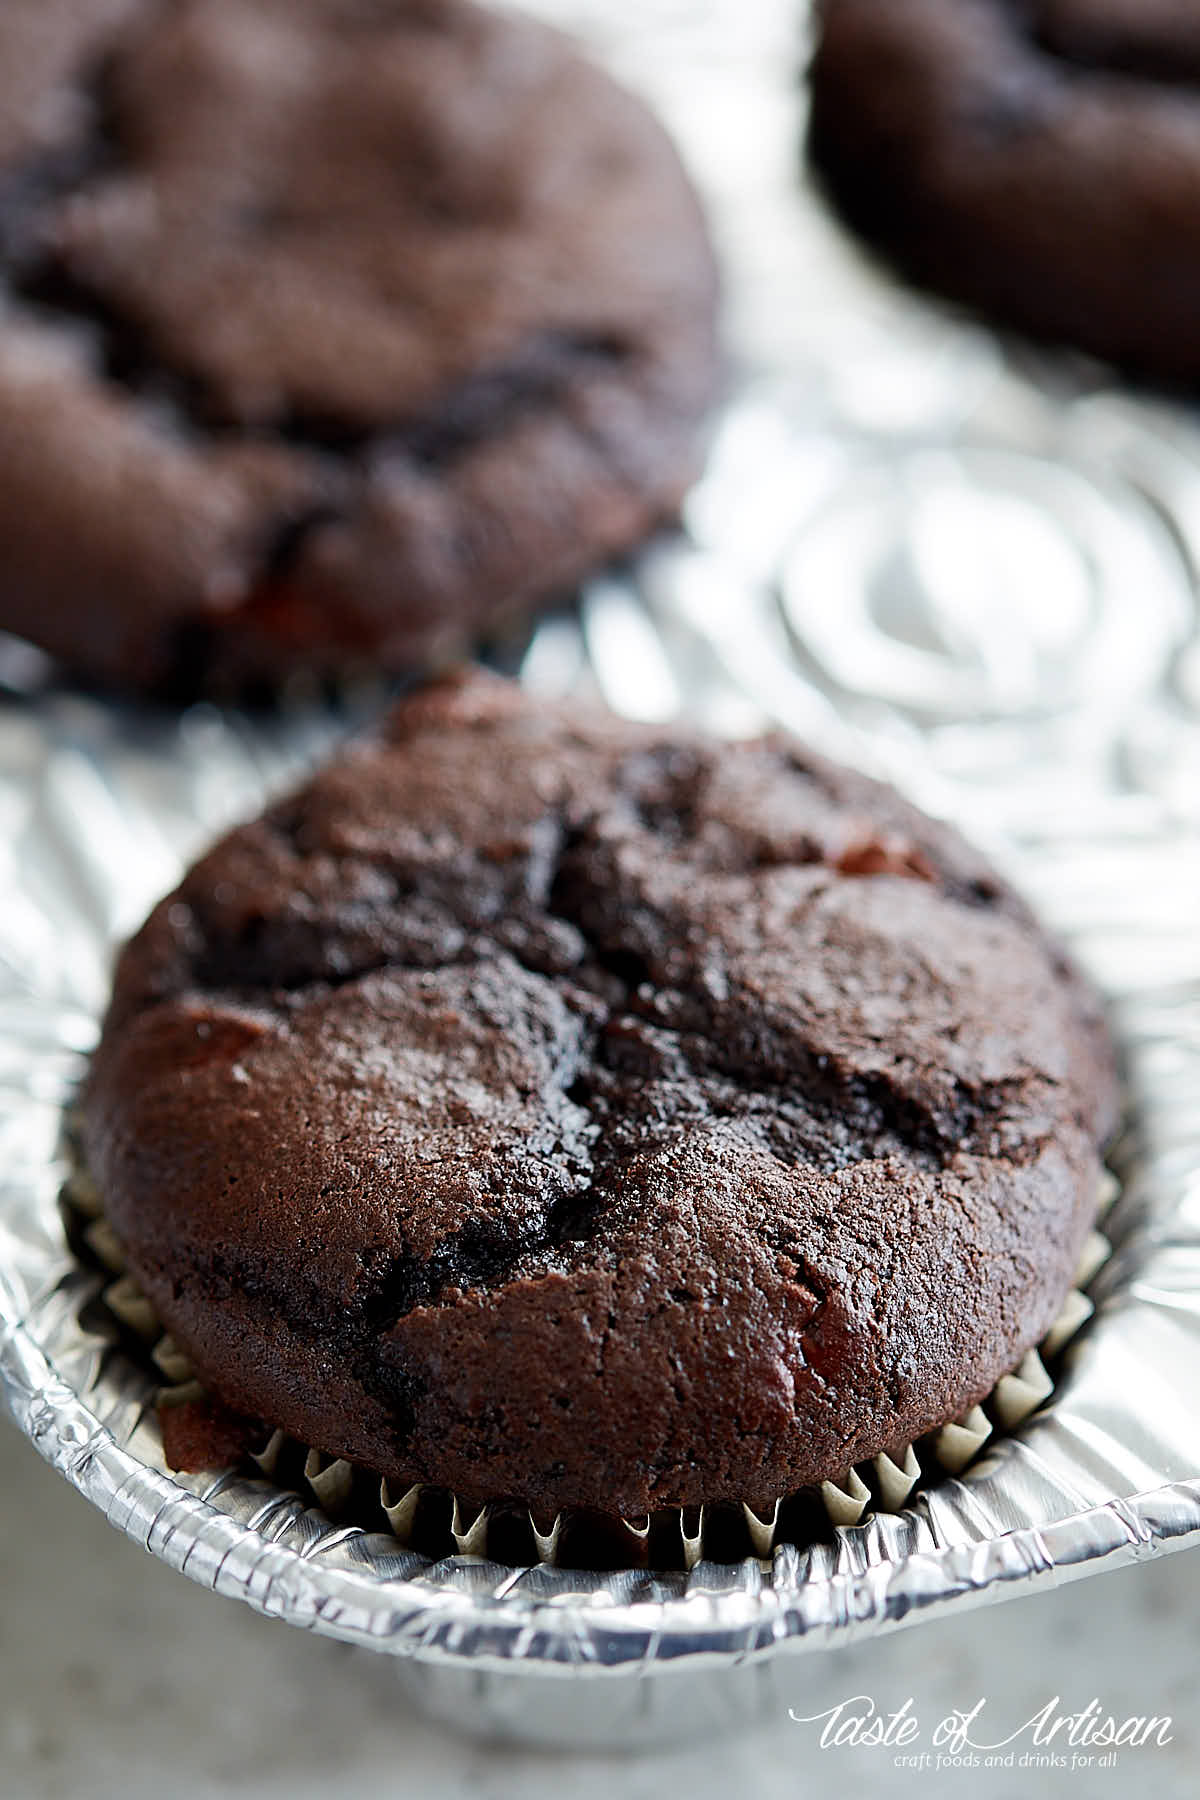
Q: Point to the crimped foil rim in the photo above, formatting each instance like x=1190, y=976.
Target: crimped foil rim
x=588, y=1633
x=340, y=1585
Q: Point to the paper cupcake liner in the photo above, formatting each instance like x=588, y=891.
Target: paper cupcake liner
x=439, y=1522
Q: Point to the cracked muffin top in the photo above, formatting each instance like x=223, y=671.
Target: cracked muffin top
x=335, y=332
x=551, y=1108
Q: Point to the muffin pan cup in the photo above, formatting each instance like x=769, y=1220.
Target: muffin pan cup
x=1108, y=1471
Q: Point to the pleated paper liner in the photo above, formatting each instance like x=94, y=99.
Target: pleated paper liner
x=437, y=1523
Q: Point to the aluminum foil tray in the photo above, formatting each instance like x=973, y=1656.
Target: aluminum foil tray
x=967, y=566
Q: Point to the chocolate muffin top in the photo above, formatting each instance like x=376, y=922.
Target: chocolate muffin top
x=334, y=331
x=552, y=1108
x=1038, y=159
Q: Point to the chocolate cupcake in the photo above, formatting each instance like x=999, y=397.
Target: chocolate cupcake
x=553, y=1111
x=1036, y=159
x=336, y=333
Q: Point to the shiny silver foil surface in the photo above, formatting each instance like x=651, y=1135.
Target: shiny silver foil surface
x=970, y=567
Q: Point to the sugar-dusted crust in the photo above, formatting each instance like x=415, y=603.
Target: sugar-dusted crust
x=1038, y=159
x=545, y=1107
x=335, y=332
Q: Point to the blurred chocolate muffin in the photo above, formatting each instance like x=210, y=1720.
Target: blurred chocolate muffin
x=336, y=332
x=1036, y=159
